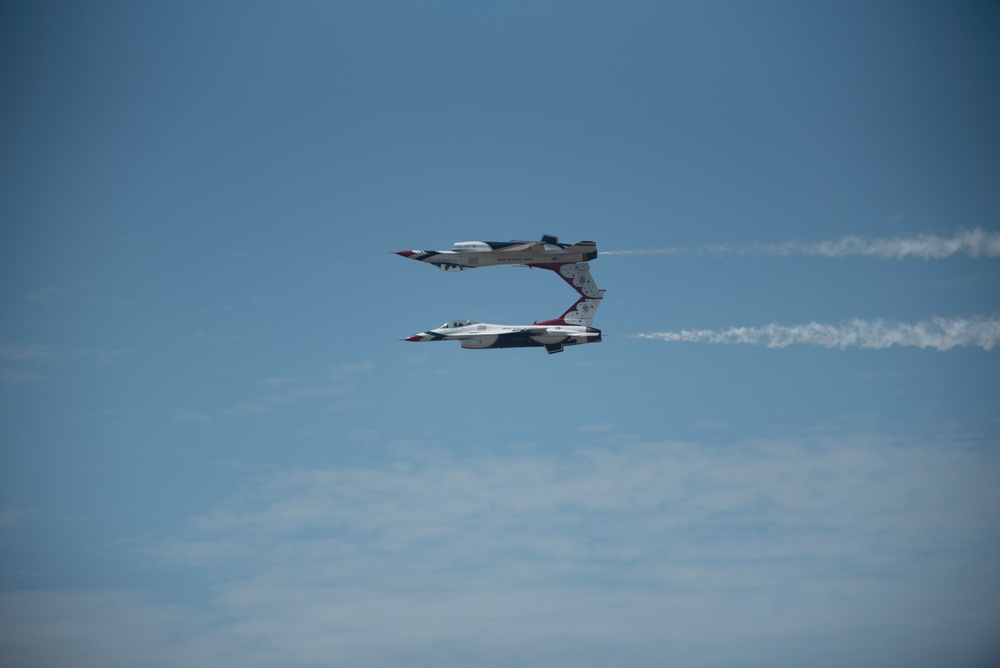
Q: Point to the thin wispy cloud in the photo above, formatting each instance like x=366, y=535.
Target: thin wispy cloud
x=284, y=394
x=974, y=243
x=44, y=295
x=188, y=415
x=14, y=376
x=11, y=517
x=26, y=352
x=18, y=357
x=268, y=402
x=938, y=333
x=341, y=371
x=278, y=381
x=107, y=356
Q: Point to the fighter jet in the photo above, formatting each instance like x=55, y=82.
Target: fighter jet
x=471, y=254
x=570, y=329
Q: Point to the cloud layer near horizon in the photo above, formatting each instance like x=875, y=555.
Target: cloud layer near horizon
x=625, y=550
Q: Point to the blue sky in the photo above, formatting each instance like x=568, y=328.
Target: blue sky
x=218, y=451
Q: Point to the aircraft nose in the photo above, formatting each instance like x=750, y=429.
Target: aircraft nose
x=415, y=337
x=406, y=253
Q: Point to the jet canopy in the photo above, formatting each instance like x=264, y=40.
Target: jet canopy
x=471, y=247
x=455, y=324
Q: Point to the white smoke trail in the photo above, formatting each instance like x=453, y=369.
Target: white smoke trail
x=974, y=243
x=939, y=333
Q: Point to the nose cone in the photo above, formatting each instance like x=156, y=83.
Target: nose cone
x=406, y=253
x=416, y=337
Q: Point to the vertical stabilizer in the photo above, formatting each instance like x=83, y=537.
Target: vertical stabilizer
x=580, y=313
x=578, y=275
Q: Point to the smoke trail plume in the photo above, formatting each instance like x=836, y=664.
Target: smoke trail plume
x=939, y=333
x=974, y=243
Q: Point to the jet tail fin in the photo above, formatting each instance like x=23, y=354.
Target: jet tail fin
x=580, y=313
x=577, y=274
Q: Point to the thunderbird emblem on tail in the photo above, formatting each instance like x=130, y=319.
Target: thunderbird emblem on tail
x=574, y=327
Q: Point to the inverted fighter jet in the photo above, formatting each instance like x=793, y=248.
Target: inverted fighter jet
x=570, y=329
x=471, y=254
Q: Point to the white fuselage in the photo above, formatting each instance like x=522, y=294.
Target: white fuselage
x=471, y=254
x=484, y=335
x=458, y=260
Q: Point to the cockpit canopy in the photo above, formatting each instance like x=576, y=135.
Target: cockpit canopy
x=471, y=247
x=455, y=324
